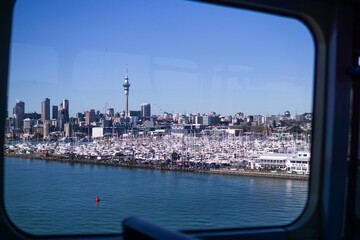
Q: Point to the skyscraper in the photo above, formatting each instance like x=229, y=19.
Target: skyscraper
x=90, y=116
x=63, y=114
x=145, y=110
x=55, y=113
x=19, y=112
x=45, y=110
x=126, y=90
x=65, y=107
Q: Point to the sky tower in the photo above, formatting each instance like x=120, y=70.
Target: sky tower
x=126, y=90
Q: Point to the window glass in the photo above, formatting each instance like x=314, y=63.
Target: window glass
x=190, y=115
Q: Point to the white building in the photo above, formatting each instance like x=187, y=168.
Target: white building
x=299, y=162
x=100, y=132
x=277, y=160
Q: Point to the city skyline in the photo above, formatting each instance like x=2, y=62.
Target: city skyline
x=144, y=110
x=261, y=65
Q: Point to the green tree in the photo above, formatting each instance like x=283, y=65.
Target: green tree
x=296, y=129
x=119, y=154
x=174, y=156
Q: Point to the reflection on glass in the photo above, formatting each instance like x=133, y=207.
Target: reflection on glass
x=190, y=115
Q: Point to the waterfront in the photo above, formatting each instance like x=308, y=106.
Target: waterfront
x=49, y=197
x=188, y=153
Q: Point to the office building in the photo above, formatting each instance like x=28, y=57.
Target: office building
x=211, y=119
x=45, y=110
x=63, y=113
x=80, y=117
x=61, y=119
x=199, y=119
x=90, y=116
x=145, y=110
x=64, y=107
x=55, y=112
x=19, y=113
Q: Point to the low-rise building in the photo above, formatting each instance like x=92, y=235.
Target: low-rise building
x=272, y=160
x=298, y=162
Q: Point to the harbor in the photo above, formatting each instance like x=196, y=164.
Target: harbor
x=276, y=146
x=230, y=155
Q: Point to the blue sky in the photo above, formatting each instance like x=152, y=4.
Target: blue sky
x=185, y=57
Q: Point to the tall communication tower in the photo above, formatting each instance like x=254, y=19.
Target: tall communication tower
x=126, y=90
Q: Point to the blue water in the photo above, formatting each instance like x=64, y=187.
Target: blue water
x=48, y=197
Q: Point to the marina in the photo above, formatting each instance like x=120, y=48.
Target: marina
x=225, y=154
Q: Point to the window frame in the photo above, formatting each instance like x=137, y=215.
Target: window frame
x=332, y=27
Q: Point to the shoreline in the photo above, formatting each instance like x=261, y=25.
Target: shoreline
x=164, y=168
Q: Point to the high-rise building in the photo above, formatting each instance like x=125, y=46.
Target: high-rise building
x=61, y=119
x=19, y=113
x=80, y=117
x=55, y=112
x=126, y=90
x=145, y=110
x=45, y=110
x=90, y=116
x=63, y=114
x=65, y=106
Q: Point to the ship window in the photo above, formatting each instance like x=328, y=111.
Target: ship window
x=101, y=98
x=357, y=205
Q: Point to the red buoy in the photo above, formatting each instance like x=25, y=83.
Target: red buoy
x=97, y=199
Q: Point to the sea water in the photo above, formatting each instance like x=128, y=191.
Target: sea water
x=49, y=197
